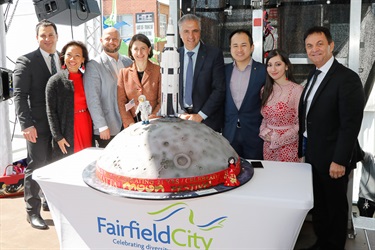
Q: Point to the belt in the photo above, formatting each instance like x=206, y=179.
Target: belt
x=238, y=124
x=80, y=111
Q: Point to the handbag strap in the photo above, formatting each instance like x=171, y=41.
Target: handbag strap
x=17, y=169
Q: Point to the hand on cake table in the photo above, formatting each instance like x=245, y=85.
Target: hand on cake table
x=191, y=117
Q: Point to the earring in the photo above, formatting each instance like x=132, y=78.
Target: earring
x=83, y=66
x=63, y=67
x=286, y=75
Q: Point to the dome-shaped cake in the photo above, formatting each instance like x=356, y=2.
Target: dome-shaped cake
x=167, y=155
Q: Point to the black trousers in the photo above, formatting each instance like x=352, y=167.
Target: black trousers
x=38, y=155
x=330, y=212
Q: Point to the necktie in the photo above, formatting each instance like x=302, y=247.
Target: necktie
x=189, y=80
x=53, y=64
x=310, y=87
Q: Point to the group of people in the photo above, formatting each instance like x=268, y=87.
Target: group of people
x=258, y=107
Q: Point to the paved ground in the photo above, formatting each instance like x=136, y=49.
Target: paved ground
x=16, y=232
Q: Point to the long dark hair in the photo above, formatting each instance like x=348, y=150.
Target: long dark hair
x=268, y=86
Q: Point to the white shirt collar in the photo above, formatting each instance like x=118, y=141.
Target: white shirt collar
x=195, y=50
x=327, y=65
x=46, y=54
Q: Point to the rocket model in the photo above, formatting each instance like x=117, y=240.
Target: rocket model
x=170, y=71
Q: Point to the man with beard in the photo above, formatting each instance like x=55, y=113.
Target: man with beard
x=100, y=81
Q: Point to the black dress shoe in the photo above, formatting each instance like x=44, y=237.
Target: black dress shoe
x=45, y=206
x=36, y=221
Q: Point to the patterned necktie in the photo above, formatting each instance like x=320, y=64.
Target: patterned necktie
x=316, y=73
x=53, y=64
x=189, y=80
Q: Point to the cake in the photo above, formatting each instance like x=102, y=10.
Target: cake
x=167, y=155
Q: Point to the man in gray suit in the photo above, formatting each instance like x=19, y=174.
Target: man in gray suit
x=31, y=74
x=100, y=80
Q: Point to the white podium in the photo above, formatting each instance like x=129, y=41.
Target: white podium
x=265, y=213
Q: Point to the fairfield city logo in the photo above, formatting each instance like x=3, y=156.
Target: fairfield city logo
x=132, y=233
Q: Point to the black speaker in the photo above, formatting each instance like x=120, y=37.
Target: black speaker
x=67, y=12
x=6, y=84
x=5, y=1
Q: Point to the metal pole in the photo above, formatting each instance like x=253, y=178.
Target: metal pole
x=5, y=141
x=257, y=30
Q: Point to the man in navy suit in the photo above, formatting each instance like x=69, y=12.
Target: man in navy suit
x=206, y=100
x=330, y=116
x=244, y=81
x=31, y=74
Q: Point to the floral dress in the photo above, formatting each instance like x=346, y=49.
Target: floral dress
x=280, y=123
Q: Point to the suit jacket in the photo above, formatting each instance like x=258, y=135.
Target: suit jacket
x=334, y=119
x=30, y=78
x=249, y=113
x=129, y=87
x=208, y=85
x=60, y=111
x=100, y=81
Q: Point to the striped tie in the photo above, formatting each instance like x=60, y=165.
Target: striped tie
x=53, y=64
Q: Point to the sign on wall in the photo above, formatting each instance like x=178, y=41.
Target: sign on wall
x=145, y=25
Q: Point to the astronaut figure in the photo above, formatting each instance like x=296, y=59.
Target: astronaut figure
x=145, y=108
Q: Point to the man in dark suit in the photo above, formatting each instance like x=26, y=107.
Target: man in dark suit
x=244, y=81
x=204, y=102
x=330, y=116
x=31, y=74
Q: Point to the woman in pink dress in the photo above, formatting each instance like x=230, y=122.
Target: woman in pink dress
x=280, y=99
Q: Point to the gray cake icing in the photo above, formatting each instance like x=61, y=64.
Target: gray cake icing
x=166, y=148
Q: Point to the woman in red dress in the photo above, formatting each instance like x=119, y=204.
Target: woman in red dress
x=69, y=119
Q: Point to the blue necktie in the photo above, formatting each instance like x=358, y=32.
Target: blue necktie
x=53, y=64
x=189, y=80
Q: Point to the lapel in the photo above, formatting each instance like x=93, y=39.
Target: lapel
x=324, y=82
x=65, y=79
x=253, y=79
x=108, y=65
x=41, y=61
x=199, y=63
x=307, y=83
x=134, y=76
x=147, y=73
x=181, y=50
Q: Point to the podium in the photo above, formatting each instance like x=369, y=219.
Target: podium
x=265, y=213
